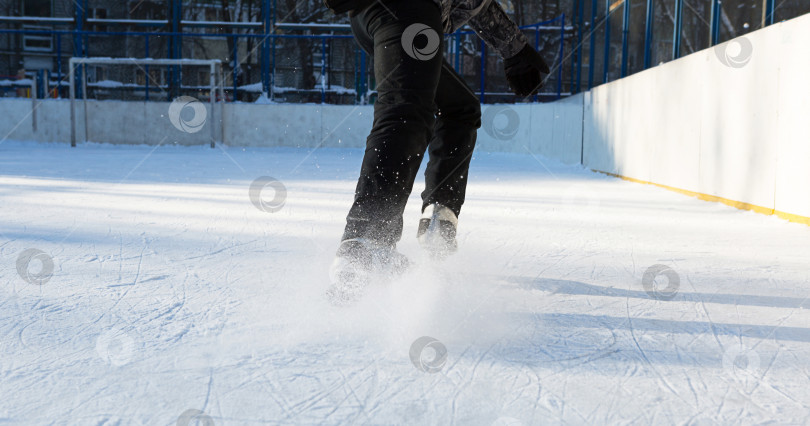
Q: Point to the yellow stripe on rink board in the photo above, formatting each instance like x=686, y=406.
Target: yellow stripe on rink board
x=706, y=197
x=792, y=217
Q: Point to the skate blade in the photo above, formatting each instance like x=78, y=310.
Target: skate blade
x=349, y=288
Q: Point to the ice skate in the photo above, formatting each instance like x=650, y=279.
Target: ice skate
x=437, y=231
x=359, y=262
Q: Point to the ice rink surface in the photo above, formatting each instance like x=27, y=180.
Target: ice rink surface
x=173, y=297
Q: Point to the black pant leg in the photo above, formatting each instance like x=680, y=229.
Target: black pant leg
x=453, y=142
x=404, y=115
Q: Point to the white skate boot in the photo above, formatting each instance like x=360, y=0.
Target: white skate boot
x=357, y=263
x=437, y=231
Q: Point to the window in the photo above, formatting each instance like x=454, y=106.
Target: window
x=148, y=9
x=41, y=8
x=37, y=42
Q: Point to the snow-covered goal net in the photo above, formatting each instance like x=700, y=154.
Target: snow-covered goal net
x=186, y=82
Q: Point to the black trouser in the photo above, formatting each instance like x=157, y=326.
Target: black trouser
x=421, y=103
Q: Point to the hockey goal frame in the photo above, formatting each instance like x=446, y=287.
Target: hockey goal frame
x=215, y=83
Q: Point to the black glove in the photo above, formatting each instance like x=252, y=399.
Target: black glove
x=525, y=71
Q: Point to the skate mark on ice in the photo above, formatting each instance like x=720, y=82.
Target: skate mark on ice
x=643, y=354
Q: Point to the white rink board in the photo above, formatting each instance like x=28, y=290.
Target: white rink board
x=345, y=126
x=272, y=125
x=793, y=122
x=738, y=124
x=551, y=129
x=557, y=133
x=699, y=125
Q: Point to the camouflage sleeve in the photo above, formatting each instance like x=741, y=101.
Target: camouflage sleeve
x=498, y=31
x=456, y=13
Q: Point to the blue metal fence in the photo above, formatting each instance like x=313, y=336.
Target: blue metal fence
x=269, y=43
x=554, y=26
x=575, y=35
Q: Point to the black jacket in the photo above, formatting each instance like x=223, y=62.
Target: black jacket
x=343, y=6
x=486, y=17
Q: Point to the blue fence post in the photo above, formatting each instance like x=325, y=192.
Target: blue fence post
x=235, y=70
x=457, y=53
x=363, y=78
x=625, y=30
x=146, y=68
x=171, y=40
x=85, y=40
x=581, y=6
x=483, y=68
x=714, y=32
x=268, y=27
x=575, y=50
x=323, y=69
x=648, y=34
x=536, y=46
x=592, y=52
x=676, y=36
x=59, y=65
x=606, y=69
x=175, y=51
x=562, y=56
x=273, y=67
x=328, y=41
x=78, y=49
x=356, y=75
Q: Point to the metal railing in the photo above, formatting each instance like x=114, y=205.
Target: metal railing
x=601, y=41
x=363, y=79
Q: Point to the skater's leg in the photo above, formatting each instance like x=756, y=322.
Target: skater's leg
x=453, y=141
x=403, y=117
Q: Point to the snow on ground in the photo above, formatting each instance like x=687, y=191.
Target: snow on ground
x=173, y=297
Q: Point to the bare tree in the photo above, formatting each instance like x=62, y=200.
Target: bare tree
x=304, y=12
